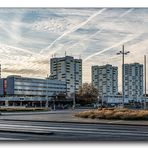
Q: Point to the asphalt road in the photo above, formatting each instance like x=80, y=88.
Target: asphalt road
x=49, y=126
x=70, y=132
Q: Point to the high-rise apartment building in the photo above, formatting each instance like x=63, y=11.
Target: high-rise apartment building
x=69, y=70
x=105, y=79
x=133, y=80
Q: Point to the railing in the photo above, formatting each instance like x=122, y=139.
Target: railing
x=23, y=99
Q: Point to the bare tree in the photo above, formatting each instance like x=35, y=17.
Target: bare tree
x=87, y=94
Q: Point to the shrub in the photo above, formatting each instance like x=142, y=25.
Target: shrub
x=122, y=114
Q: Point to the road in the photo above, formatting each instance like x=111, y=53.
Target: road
x=71, y=132
x=43, y=126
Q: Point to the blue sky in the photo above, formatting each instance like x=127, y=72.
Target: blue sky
x=29, y=38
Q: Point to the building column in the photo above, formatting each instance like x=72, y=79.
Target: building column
x=6, y=103
x=40, y=103
x=32, y=104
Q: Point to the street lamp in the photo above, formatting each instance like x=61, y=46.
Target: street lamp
x=123, y=90
x=54, y=100
x=74, y=100
x=145, y=107
x=47, y=92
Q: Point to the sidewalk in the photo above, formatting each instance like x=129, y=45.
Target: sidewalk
x=60, y=117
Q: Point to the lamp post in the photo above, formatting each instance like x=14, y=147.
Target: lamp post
x=145, y=107
x=54, y=100
x=123, y=89
x=74, y=101
x=47, y=93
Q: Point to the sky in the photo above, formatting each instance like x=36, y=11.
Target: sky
x=30, y=37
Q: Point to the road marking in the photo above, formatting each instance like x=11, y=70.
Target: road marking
x=64, y=128
x=73, y=130
x=115, y=121
x=2, y=138
x=100, y=133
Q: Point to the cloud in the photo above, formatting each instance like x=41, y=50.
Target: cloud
x=29, y=37
x=89, y=33
x=73, y=29
x=23, y=71
x=127, y=39
x=51, y=25
x=9, y=48
x=41, y=61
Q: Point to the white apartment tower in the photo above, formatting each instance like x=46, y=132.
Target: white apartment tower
x=133, y=80
x=105, y=79
x=69, y=70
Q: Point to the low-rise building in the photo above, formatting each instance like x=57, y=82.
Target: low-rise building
x=31, y=87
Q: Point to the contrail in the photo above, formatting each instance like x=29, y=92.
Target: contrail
x=73, y=29
x=92, y=35
x=16, y=48
x=113, y=46
x=122, y=15
x=125, y=13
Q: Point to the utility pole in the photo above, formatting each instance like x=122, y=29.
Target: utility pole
x=145, y=107
x=123, y=69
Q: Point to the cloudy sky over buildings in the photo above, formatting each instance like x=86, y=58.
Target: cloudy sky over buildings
x=30, y=37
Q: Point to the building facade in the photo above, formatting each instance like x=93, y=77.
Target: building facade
x=105, y=80
x=31, y=87
x=133, y=80
x=69, y=70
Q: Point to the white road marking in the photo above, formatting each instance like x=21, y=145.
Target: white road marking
x=73, y=130
x=118, y=121
x=2, y=138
